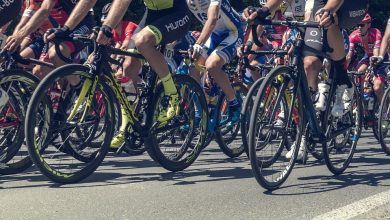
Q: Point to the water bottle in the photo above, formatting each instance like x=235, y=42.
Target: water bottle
x=129, y=88
x=323, y=90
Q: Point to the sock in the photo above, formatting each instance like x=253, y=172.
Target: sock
x=125, y=120
x=233, y=103
x=341, y=77
x=169, y=85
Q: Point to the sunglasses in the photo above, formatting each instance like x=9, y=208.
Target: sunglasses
x=362, y=25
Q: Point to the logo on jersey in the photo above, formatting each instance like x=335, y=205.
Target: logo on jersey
x=177, y=24
x=358, y=13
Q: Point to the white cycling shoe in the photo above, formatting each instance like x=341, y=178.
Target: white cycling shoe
x=301, y=150
x=343, y=100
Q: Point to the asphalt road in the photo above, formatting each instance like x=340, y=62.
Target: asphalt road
x=214, y=187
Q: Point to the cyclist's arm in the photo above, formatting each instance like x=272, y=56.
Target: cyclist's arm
x=333, y=5
x=351, y=50
x=79, y=12
x=385, y=41
x=23, y=21
x=212, y=18
x=273, y=5
x=377, y=43
x=38, y=18
x=118, y=10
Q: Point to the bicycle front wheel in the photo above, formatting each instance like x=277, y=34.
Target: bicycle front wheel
x=61, y=129
x=275, y=128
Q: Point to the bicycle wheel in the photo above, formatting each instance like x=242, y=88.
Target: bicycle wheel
x=271, y=138
x=344, y=134
x=246, y=112
x=384, y=121
x=229, y=139
x=53, y=134
x=14, y=156
x=177, y=144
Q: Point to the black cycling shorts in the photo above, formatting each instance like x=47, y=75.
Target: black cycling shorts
x=170, y=24
x=349, y=15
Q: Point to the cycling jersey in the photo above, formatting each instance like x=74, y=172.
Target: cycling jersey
x=369, y=43
x=9, y=9
x=295, y=9
x=127, y=29
x=227, y=34
x=31, y=7
x=159, y=4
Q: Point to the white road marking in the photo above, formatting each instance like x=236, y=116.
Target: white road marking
x=357, y=208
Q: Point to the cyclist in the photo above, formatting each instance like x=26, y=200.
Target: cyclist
x=165, y=21
x=383, y=52
x=332, y=15
x=59, y=12
x=369, y=39
x=33, y=44
x=216, y=46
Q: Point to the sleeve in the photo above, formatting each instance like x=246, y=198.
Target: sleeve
x=130, y=29
x=215, y=2
x=378, y=38
x=352, y=41
x=31, y=7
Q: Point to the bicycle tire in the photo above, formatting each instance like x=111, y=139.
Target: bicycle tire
x=261, y=106
x=18, y=160
x=181, y=159
x=355, y=117
x=246, y=110
x=224, y=140
x=37, y=149
x=383, y=121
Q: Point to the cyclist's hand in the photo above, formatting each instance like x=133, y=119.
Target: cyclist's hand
x=57, y=32
x=13, y=42
x=375, y=60
x=105, y=35
x=198, y=51
x=325, y=17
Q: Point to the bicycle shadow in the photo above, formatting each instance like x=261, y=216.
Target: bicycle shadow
x=370, y=171
x=120, y=171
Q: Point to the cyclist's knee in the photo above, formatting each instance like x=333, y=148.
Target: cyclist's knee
x=312, y=64
x=144, y=40
x=53, y=56
x=39, y=71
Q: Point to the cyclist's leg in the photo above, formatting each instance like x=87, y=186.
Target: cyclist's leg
x=131, y=68
x=379, y=83
x=163, y=30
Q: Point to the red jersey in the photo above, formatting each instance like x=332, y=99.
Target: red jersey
x=369, y=43
x=125, y=32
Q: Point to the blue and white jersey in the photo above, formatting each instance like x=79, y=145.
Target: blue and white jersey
x=228, y=19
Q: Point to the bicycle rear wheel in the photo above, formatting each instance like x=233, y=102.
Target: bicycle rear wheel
x=246, y=112
x=177, y=144
x=344, y=132
x=270, y=138
x=53, y=134
x=229, y=139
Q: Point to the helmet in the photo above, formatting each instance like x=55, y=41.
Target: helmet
x=262, y=2
x=367, y=19
x=105, y=11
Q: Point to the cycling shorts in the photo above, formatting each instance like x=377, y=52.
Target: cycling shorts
x=225, y=45
x=168, y=25
x=348, y=15
x=37, y=44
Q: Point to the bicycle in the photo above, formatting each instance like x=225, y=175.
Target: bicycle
x=52, y=147
x=364, y=84
x=285, y=90
x=226, y=138
x=18, y=85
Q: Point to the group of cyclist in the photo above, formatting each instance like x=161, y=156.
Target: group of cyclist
x=167, y=22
